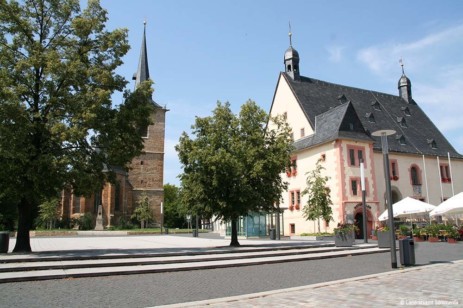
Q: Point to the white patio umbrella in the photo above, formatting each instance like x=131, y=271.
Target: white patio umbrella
x=407, y=207
x=453, y=205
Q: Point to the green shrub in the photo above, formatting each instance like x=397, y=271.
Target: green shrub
x=404, y=229
x=85, y=222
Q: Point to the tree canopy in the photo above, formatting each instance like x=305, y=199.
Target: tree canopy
x=174, y=211
x=58, y=126
x=319, y=200
x=233, y=165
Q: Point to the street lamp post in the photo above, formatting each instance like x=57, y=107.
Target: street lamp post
x=385, y=149
x=162, y=215
x=364, y=205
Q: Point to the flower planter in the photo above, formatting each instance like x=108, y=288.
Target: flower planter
x=433, y=239
x=343, y=239
x=4, y=241
x=418, y=239
x=384, y=239
x=451, y=240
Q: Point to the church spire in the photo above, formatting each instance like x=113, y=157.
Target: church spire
x=290, y=36
x=405, y=86
x=142, y=73
x=292, y=59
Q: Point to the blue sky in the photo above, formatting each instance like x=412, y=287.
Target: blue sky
x=202, y=51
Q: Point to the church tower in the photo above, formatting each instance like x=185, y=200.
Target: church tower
x=146, y=175
x=292, y=60
x=405, y=86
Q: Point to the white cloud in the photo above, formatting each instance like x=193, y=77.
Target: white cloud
x=383, y=59
x=335, y=53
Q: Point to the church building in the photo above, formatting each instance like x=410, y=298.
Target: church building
x=145, y=175
x=336, y=124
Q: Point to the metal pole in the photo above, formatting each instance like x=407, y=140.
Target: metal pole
x=426, y=181
x=364, y=205
x=162, y=216
x=385, y=149
x=450, y=175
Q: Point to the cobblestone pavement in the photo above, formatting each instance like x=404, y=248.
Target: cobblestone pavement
x=433, y=285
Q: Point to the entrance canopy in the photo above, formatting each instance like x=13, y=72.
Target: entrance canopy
x=407, y=207
x=450, y=206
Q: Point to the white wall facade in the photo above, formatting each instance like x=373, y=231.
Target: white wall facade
x=337, y=163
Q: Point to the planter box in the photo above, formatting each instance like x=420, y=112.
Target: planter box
x=4, y=241
x=312, y=237
x=344, y=240
x=418, y=239
x=451, y=240
x=384, y=239
x=433, y=239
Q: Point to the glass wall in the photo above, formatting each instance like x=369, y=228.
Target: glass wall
x=252, y=225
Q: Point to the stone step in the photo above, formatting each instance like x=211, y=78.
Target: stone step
x=27, y=271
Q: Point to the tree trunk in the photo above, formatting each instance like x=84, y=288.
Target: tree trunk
x=234, y=233
x=318, y=224
x=23, y=242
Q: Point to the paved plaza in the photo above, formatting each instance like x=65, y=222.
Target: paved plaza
x=368, y=281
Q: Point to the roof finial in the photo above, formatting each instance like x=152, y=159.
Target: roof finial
x=290, y=34
x=402, y=64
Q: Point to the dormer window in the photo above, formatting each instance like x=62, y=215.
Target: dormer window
x=376, y=105
x=406, y=111
x=342, y=99
x=401, y=139
x=370, y=117
x=432, y=143
x=402, y=122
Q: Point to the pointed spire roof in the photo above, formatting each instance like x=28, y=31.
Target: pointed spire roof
x=403, y=81
x=142, y=73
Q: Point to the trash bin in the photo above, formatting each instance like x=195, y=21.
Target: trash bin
x=166, y=230
x=407, y=251
x=195, y=233
x=272, y=234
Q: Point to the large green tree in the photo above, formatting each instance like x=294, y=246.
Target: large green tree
x=58, y=127
x=233, y=165
x=174, y=211
x=318, y=205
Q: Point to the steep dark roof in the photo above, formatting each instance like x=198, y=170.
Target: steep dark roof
x=339, y=122
x=330, y=107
